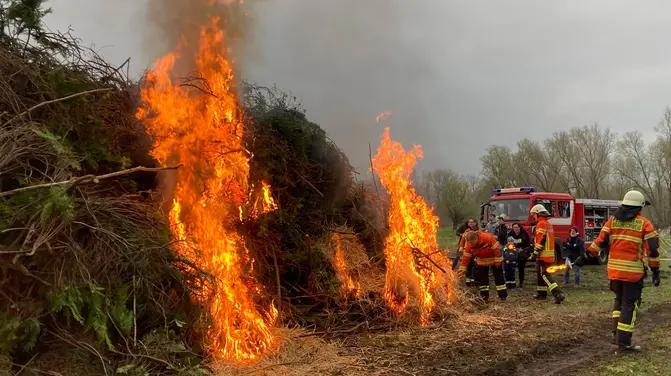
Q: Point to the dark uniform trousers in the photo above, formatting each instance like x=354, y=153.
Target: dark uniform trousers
x=470, y=273
x=627, y=303
x=482, y=281
x=545, y=281
x=509, y=273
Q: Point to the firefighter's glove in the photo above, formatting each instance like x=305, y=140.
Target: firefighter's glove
x=532, y=257
x=580, y=261
x=655, y=276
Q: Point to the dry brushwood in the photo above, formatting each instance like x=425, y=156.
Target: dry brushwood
x=97, y=257
x=87, y=179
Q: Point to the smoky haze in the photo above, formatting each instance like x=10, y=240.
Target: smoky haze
x=456, y=75
x=175, y=25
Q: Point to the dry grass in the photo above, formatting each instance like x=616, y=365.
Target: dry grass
x=299, y=353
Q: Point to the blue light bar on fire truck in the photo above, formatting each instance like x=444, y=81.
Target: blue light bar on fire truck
x=513, y=190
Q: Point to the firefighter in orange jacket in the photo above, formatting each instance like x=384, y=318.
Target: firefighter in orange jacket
x=544, y=252
x=630, y=239
x=472, y=225
x=487, y=252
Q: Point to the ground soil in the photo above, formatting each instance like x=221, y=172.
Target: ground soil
x=569, y=357
x=526, y=339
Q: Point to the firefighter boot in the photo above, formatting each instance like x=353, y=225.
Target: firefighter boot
x=559, y=297
x=624, y=342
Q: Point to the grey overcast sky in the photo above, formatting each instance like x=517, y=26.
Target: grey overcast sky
x=456, y=75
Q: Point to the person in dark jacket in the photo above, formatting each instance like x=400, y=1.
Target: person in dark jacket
x=523, y=243
x=501, y=231
x=573, y=248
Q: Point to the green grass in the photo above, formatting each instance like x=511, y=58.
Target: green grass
x=654, y=360
x=447, y=238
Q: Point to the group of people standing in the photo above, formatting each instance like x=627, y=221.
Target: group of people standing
x=630, y=239
x=482, y=251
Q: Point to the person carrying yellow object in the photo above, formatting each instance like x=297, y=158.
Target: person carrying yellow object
x=630, y=239
x=487, y=252
x=544, y=252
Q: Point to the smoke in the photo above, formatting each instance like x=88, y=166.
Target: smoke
x=175, y=25
x=347, y=61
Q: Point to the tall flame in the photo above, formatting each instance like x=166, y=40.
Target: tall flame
x=203, y=132
x=412, y=231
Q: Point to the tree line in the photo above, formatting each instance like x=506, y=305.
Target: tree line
x=587, y=162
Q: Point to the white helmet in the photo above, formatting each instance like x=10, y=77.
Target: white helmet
x=633, y=198
x=538, y=208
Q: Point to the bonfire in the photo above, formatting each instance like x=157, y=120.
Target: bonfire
x=203, y=132
x=413, y=258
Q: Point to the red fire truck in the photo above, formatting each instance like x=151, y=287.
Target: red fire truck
x=587, y=214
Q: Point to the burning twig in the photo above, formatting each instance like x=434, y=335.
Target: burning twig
x=555, y=268
x=424, y=255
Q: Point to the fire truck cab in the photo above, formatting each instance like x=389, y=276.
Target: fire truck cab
x=566, y=211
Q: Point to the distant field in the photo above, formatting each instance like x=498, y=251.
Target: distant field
x=447, y=238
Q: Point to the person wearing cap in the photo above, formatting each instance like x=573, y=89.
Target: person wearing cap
x=544, y=252
x=630, y=240
x=573, y=248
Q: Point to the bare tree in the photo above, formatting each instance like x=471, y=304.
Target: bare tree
x=534, y=167
x=596, y=147
x=498, y=166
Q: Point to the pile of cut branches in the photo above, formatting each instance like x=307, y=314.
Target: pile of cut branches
x=86, y=264
x=315, y=189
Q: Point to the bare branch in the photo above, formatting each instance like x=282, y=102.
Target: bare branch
x=87, y=179
x=35, y=107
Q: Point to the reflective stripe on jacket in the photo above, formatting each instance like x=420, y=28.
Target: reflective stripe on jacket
x=628, y=243
x=487, y=251
x=544, y=241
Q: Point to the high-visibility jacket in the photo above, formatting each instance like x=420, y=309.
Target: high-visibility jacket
x=544, y=241
x=631, y=243
x=487, y=251
x=462, y=240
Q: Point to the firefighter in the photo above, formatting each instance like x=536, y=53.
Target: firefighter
x=630, y=239
x=544, y=253
x=487, y=252
x=472, y=225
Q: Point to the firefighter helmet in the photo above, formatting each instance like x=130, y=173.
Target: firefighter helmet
x=538, y=208
x=633, y=198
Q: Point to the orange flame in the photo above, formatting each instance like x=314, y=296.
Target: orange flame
x=412, y=226
x=203, y=132
x=556, y=268
x=348, y=285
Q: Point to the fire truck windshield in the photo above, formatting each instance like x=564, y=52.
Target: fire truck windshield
x=515, y=209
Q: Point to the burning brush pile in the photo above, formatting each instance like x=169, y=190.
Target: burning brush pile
x=149, y=229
